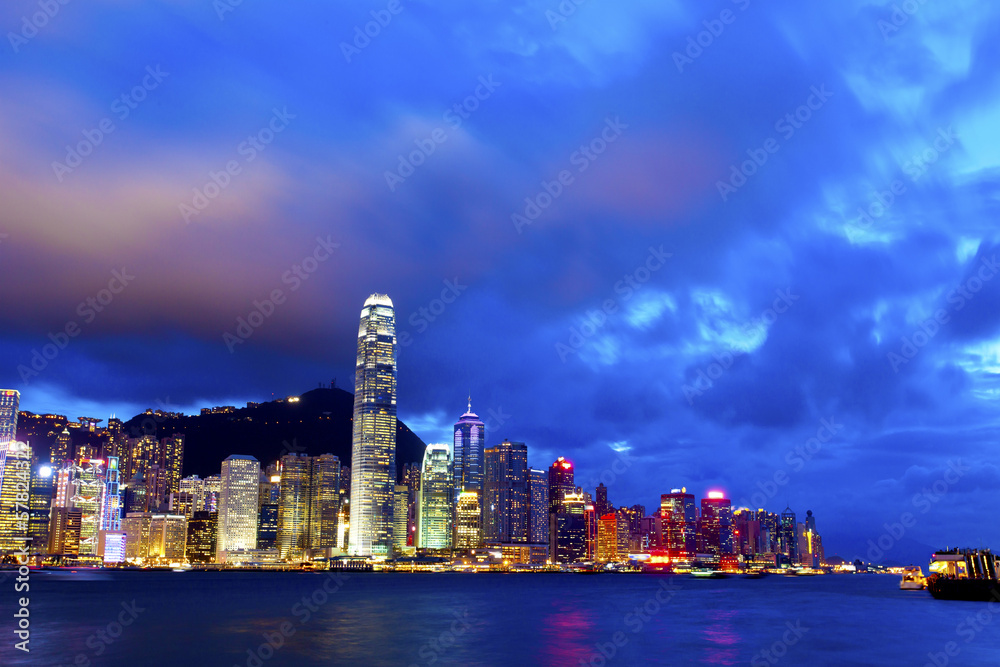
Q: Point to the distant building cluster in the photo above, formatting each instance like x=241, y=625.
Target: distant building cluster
x=125, y=502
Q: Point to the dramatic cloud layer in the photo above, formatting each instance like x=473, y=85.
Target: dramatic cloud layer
x=729, y=243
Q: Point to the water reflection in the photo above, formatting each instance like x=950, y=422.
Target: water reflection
x=568, y=634
x=723, y=640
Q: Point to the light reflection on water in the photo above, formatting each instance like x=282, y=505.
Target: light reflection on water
x=222, y=619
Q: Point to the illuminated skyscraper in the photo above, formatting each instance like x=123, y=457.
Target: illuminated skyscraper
x=171, y=458
x=10, y=400
x=788, y=539
x=89, y=485
x=607, y=538
x=293, y=505
x=434, y=524
x=569, y=530
x=324, y=506
x=238, y=505
x=373, y=464
x=601, y=504
x=40, y=506
x=538, y=528
x=15, y=485
x=308, y=504
x=505, y=498
x=717, y=524
x=679, y=523
x=468, y=523
x=470, y=434
x=201, y=537
x=62, y=449
x=400, y=514
x=560, y=481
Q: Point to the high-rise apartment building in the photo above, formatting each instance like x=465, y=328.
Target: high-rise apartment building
x=505, y=498
x=238, y=493
x=434, y=523
x=373, y=461
x=467, y=464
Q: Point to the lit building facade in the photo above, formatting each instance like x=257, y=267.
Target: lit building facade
x=10, y=402
x=434, y=522
x=468, y=521
x=788, y=537
x=40, y=506
x=569, y=530
x=505, y=499
x=717, y=524
x=400, y=514
x=238, y=505
x=201, y=538
x=678, y=523
x=538, y=519
x=607, y=538
x=15, y=491
x=373, y=462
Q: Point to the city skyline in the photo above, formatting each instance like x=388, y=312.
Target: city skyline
x=773, y=276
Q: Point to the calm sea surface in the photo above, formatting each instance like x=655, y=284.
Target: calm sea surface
x=226, y=619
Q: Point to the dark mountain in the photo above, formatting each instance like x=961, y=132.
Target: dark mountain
x=318, y=423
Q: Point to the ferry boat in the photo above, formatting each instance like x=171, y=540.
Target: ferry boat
x=706, y=573
x=913, y=579
x=964, y=574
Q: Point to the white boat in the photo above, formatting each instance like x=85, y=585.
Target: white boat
x=913, y=579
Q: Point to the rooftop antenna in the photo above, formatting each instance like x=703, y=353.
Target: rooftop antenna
x=470, y=400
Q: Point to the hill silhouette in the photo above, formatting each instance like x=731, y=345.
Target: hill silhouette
x=319, y=422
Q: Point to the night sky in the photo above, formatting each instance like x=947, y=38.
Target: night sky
x=686, y=237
